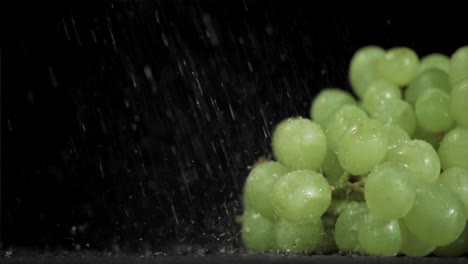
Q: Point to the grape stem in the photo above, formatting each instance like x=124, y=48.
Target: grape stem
x=356, y=186
x=344, y=182
x=341, y=183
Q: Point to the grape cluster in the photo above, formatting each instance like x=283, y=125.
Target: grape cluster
x=383, y=175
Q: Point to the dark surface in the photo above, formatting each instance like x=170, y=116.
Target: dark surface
x=129, y=126
x=235, y=259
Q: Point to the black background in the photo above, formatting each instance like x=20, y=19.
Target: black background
x=131, y=125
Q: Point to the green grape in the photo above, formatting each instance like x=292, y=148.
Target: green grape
x=301, y=196
x=257, y=232
x=431, y=138
x=456, y=248
x=429, y=79
x=434, y=61
x=396, y=136
x=340, y=121
x=419, y=158
x=432, y=111
x=337, y=206
x=327, y=102
x=413, y=246
x=458, y=69
x=389, y=191
x=258, y=186
x=347, y=227
x=377, y=91
x=299, y=143
x=458, y=107
x=396, y=112
x=363, y=147
x=362, y=69
x=380, y=237
x=331, y=168
x=453, y=149
x=457, y=180
x=399, y=65
x=298, y=238
x=438, y=215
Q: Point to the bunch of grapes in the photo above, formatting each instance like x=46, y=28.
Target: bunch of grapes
x=383, y=175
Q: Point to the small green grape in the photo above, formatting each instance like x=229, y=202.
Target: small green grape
x=257, y=232
x=258, y=186
x=340, y=121
x=380, y=237
x=347, y=227
x=427, y=80
x=417, y=157
x=434, y=61
x=458, y=107
x=327, y=102
x=458, y=69
x=363, y=147
x=396, y=136
x=399, y=65
x=456, y=248
x=298, y=238
x=453, y=149
x=299, y=143
x=457, y=180
x=362, y=69
x=379, y=90
x=438, y=215
x=389, y=191
x=432, y=111
x=413, y=246
x=301, y=196
x=396, y=112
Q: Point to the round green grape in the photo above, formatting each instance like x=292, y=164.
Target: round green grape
x=438, y=215
x=432, y=111
x=347, y=227
x=458, y=69
x=399, y=65
x=396, y=136
x=258, y=186
x=257, y=232
x=379, y=90
x=299, y=143
x=456, y=248
x=389, y=191
x=363, y=147
x=417, y=157
x=427, y=80
x=457, y=180
x=298, y=238
x=331, y=168
x=340, y=121
x=434, y=61
x=362, y=69
x=380, y=237
x=453, y=149
x=458, y=107
x=413, y=246
x=301, y=196
x=396, y=112
x=327, y=102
